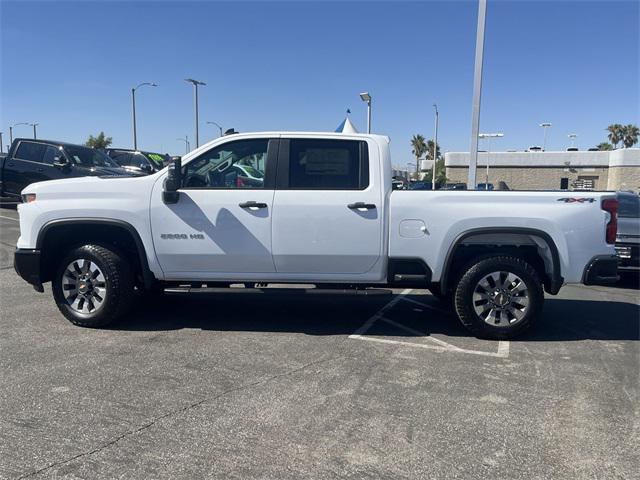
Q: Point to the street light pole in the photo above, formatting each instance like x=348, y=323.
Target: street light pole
x=186, y=142
x=1, y=144
x=477, y=93
x=488, y=137
x=435, y=150
x=11, y=130
x=545, y=125
x=366, y=97
x=195, y=84
x=34, y=125
x=133, y=105
x=214, y=123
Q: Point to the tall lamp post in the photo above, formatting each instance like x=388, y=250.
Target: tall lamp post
x=195, y=84
x=186, y=143
x=365, y=97
x=573, y=136
x=1, y=144
x=545, y=126
x=219, y=127
x=34, y=125
x=488, y=137
x=133, y=103
x=477, y=93
x=435, y=150
x=11, y=130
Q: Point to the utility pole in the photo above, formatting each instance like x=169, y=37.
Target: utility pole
x=34, y=125
x=435, y=150
x=195, y=84
x=1, y=144
x=477, y=93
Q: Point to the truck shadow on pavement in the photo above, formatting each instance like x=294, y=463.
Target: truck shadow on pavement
x=344, y=314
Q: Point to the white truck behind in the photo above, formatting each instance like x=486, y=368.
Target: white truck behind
x=309, y=208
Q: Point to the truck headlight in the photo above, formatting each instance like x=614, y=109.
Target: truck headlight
x=28, y=197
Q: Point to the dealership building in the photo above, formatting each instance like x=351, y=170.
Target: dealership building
x=600, y=170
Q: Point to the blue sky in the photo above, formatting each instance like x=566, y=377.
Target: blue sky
x=299, y=65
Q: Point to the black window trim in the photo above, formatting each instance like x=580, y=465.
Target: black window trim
x=270, y=168
x=282, y=179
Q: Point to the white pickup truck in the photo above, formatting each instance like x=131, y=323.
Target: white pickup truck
x=313, y=208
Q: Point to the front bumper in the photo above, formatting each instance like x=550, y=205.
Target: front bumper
x=601, y=270
x=26, y=263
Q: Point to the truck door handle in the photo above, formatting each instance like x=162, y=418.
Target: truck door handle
x=252, y=204
x=361, y=206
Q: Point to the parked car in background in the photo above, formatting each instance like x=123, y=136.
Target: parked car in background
x=628, y=237
x=420, y=186
x=137, y=161
x=485, y=186
x=455, y=186
x=29, y=161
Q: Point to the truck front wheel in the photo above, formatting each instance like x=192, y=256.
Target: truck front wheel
x=498, y=297
x=93, y=286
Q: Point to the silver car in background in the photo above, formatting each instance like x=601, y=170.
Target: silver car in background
x=628, y=238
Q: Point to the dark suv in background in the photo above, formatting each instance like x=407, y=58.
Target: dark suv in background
x=29, y=161
x=137, y=161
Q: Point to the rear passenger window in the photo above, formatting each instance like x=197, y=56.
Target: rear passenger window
x=30, y=151
x=328, y=165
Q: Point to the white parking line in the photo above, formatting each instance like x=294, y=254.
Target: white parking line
x=9, y=218
x=441, y=345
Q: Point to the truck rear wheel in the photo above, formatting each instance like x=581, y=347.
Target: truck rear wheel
x=498, y=297
x=93, y=286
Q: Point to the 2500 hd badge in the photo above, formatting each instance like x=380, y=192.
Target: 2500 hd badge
x=181, y=236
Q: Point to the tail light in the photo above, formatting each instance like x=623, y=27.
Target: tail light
x=610, y=205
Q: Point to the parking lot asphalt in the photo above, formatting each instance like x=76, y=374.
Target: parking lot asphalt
x=307, y=384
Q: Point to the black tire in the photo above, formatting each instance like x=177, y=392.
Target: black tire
x=118, y=281
x=491, y=328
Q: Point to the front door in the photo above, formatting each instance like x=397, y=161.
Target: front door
x=328, y=210
x=220, y=228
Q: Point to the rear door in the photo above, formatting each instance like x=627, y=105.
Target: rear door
x=25, y=167
x=328, y=209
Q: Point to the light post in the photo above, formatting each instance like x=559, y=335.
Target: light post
x=214, y=123
x=489, y=136
x=572, y=136
x=477, y=93
x=545, y=125
x=11, y=130
x=133, y=103
x=435, y=150
x=195, y=84
x=34, y=125
x=1, y=144
x=365, y=97
x=186, y=143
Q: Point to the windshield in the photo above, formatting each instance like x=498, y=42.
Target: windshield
x=629, y=206
x=89, y=157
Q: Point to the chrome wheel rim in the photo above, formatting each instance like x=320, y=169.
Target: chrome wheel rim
x=83, y=286
x=501, y=299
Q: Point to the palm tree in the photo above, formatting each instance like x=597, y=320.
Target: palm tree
x=419, y=148
x=430, y=150
x=615, y=134
x=604, y=146
x=630, y=135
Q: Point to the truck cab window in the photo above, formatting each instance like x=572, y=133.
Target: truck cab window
x=328, y=165
x=239, y=164
x=30, y=151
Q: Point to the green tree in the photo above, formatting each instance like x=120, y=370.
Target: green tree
x=99, y=142
x=430, y=150
x=604, y=146
x=418, y=149
x=615, y=134
x=441, y=173
x=630, y=135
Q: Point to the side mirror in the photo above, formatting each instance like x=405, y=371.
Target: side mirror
x=173, y=181
x=145, y=167
x=60, y=162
